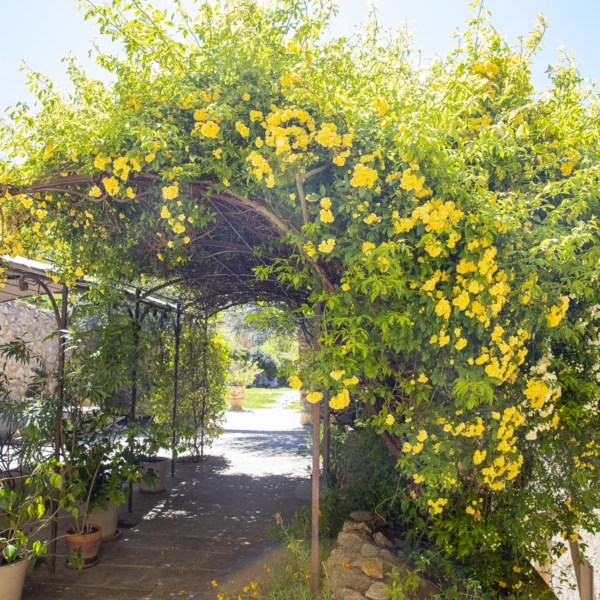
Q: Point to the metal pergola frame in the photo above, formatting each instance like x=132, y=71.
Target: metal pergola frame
x=27, y=278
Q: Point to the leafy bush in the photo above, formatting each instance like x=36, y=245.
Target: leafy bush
x=242, y=372
x=265, y=361
x=332, y=515
x=365, y=473
x=202, y=390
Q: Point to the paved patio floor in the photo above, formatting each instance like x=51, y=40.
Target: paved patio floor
x=209, y=524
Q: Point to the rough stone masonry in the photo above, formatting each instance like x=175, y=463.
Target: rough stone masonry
x=360, y=565
x=37, y=327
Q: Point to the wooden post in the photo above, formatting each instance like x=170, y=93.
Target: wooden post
x=316, y=430
x=136, y=341
x=584, y=573
x=62, y=322
x=314, y=571
x=176, y=381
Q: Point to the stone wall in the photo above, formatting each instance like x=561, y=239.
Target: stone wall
x=360, y=565
x=18, y=319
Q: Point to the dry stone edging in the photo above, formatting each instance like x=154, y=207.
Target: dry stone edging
x=360, y=565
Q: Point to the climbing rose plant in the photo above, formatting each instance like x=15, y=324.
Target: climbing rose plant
x=445, y=216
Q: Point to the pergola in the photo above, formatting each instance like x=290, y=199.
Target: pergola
x=224, y=279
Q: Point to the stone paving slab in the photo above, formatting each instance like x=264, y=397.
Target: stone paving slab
x=210, y=523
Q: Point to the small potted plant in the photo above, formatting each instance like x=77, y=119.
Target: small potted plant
x=83, y=535
x=241, y=374
x=23, y=514
x=152, y=467
x=108, y=494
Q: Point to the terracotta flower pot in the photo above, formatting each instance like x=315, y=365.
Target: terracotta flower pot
x=236, y=395
x=107, y=519
x=88, y=543
x=159, y=467
x=12, y=580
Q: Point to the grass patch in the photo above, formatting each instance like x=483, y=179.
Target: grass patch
x=262, y=397
x=291, y=576
x=287, y=575
x=295, y=405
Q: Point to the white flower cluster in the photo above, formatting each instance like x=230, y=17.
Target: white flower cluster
x=540, y=369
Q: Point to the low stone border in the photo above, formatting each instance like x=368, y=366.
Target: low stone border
x=360, y=564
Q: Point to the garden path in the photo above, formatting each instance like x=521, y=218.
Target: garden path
x=209, y=525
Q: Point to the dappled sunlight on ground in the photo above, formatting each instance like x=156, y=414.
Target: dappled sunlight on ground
x=210, y=524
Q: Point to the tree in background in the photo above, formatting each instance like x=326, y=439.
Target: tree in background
x=264, y=335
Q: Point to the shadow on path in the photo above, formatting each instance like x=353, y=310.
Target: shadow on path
x=210, y=523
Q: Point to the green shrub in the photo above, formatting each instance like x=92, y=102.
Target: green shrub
x=364, y=473
x=332, y=514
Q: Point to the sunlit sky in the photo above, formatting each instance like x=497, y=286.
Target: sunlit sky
x=41, y=32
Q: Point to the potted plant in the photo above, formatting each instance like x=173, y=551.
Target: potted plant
x=108, y=493
x=149, y=441
x=24, y=513
x=241, y=374
x=83, y=535
x=89, y=448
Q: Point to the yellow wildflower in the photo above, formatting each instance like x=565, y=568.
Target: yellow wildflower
x=295, y=382
x=326, y=216
x=170, y=192
x=242, y=129
x=111, y=185
x=327, y=246
x=363, y=176
x=566, y=169
x=210, y=129
x=442, y=308
x=314, y=397
x=460, y=344
x=479, y=456
x=367, y=247
x=340, y=400
x=558, y=312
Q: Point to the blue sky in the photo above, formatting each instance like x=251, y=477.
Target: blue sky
x=43, y=31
